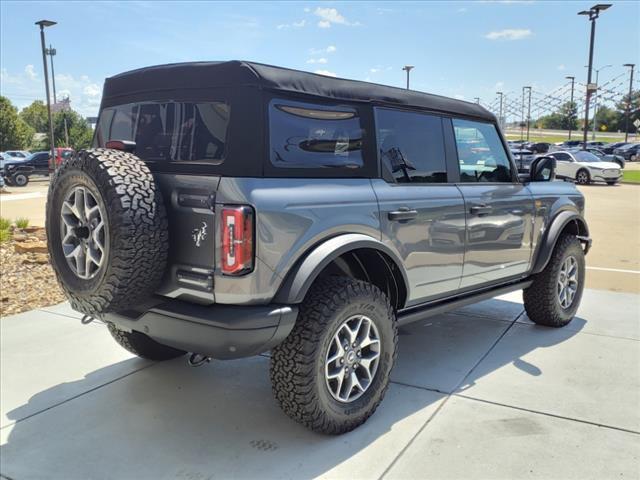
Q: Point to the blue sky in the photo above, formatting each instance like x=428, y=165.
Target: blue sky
x=459, y=49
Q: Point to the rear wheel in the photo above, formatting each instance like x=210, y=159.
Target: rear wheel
x=20, y=179
x=554, y=296
x=143, y=346
x=332, y=371
x=583, y=177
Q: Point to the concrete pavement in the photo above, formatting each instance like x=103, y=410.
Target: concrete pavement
x=478, y=393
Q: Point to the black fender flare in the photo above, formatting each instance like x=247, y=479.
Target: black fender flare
x=550, y=237
x=298, y=281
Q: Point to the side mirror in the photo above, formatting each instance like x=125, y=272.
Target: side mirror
x=543, y=169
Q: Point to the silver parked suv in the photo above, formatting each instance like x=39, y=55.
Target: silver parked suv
x=230, y=208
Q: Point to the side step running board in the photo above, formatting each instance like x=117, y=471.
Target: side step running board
x=418, y=313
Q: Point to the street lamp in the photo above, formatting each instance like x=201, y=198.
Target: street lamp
x=573, y=80
x=43, y=24
x=628, y=112
x=51, y=52
x=477, y=99
x=593, y=13
x=408, y=68
x=500, y=114
x=595, y=101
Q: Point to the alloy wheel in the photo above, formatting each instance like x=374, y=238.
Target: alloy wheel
x=567, y=285
x=352, y=358
x=84, y=232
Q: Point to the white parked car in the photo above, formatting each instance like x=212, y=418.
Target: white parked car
x=584, y=167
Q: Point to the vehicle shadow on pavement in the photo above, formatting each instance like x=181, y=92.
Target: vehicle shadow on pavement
x=221, y=421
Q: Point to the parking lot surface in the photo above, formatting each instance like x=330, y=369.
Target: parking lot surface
x=478, y=393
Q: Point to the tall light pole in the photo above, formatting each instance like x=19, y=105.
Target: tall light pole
x=51, y=52
x=628, y=112
x=477, y=99
x=573, y=80
x=43, y=24
x=408, y=68
x=595, y=101
x=593, y=13
x=528, y=109
x=522, y=117
x=500, y=114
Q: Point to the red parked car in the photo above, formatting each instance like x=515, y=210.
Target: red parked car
x=62, y=154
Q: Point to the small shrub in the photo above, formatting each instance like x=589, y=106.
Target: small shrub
x=4, y=224
x=5, y=235
x=22, y=222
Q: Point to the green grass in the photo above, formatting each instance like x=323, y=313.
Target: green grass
x=632, y=176
x=22, y=222
x=5, y=224
x=4, y=235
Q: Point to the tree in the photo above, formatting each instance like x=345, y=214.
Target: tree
x=77, y=130
x=621, y=109
x=36, y=116
x=14, y=133
x=607, y=118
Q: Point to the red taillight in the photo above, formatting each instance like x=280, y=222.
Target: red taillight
x=237, y=240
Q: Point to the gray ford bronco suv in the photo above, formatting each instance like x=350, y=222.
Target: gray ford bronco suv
x=231, y=208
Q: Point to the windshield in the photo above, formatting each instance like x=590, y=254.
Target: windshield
x=583, y=156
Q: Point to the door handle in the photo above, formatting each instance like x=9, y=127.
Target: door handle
x=402, y=214
x=481, y=210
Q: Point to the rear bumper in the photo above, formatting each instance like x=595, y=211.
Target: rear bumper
x=218, y=331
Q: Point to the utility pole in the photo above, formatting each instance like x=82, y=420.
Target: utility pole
x=595, y=101
x=628, y=112
x=51, y=52
x=573, y=79
x=593, y=13
x=408, y=68
x=477, y=99
x=528, y=110
x=43, y=24
x=500, y=114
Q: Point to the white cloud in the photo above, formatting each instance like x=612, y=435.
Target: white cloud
x=30, y=71
x=307, y=9
x=331, y=49
x=326, y=72
x=509, y=34
x=318, y=60
x=459, y=96
x=561, y=67
x=374, y=70
x=498, y=85
x=323, y=51
x=329, y=16
x=284, y=26
x=462, y=10
x=92, y=90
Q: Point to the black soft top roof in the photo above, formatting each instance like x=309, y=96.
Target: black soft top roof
x=208, y=75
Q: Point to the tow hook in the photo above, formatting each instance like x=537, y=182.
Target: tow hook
x=198, y=359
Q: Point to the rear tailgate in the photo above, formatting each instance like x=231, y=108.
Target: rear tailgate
x=190, y=201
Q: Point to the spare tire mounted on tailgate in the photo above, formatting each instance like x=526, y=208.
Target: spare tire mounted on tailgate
x=107, y=230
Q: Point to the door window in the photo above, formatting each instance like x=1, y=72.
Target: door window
x=563, y=157
x=411, y=146
x=481, y=155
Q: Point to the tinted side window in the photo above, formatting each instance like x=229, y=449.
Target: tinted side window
x=169, y=131
x=303, y=135
x=564, y=157
x=411, y=145
x=481, y=155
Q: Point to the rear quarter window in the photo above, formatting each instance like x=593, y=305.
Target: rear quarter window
x=169, y=132
x=314, y=136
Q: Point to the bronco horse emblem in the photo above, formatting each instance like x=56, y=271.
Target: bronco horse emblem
x=199, y=234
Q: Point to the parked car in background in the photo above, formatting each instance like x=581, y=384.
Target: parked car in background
x=62, y=154
x=596, y=144
x=18, y=153
x=539, y=147
x=19, y=173
x=607, y=157
x=585, y=167
x=609, y=148
x=572, y=143
x=630, y=152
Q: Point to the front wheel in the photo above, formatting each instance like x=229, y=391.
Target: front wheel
x=582, y=177
x=554, y=296
x=332, y=371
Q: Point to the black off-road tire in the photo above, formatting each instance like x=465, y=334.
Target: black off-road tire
x=583, y=179
x=297, y=365
x=541, y=299
x=143, y=346
x=137, y=231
